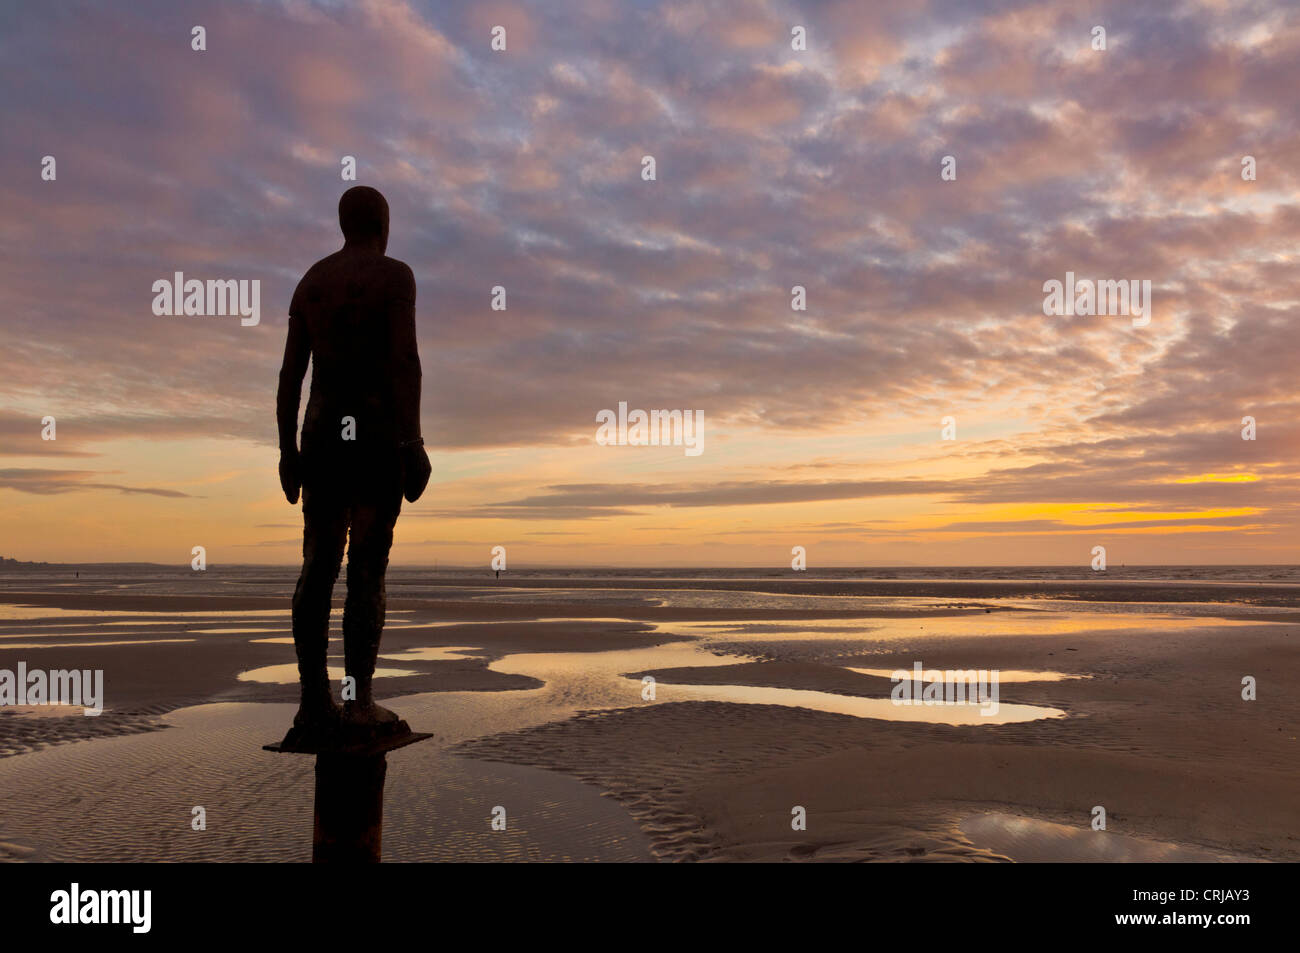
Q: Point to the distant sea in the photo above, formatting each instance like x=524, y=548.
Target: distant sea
x=223, y=579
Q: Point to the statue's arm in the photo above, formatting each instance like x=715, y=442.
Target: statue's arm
x=297, y=351
x=406, y=384
x=406, y=360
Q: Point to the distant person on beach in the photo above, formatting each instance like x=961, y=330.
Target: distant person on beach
x=353, y=315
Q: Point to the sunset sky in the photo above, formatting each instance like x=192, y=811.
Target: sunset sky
x=775, y=168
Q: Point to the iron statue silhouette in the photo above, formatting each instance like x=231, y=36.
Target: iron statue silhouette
x=353, y=317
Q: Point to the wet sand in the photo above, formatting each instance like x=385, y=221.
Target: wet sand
x=537, y=698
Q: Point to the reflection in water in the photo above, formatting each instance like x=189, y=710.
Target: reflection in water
x=1030, y=840
x=348, y=803
x=348, y=821
x=598, y=680
x=289, y=639
x=20, y=629
x=257, y=631
x=959, y=713
x=287, y=674
x=13, y=612
x=88, y=645
x=1004, y=675
x=442, y=653
x=1022, y=621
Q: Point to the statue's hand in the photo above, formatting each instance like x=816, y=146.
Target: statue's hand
x=415, y=473
x=290, y=474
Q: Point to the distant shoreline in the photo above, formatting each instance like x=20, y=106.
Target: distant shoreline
x=7, y=563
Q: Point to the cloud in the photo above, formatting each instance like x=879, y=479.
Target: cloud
x=775, y=168
x=32, y=480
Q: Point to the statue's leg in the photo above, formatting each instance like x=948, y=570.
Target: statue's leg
x=325, y=527
x=363, y=611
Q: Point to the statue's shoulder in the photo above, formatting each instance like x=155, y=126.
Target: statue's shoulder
x=309, y=285
x=399, y=267
x=400, y=276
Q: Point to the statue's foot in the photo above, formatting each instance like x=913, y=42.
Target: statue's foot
x=316, y=725
x=371, y=719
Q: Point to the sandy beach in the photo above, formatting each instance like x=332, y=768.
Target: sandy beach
x=769, y=695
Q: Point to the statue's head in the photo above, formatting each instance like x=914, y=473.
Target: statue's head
x=363, y=216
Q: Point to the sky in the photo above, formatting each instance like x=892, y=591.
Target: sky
x=774, y=167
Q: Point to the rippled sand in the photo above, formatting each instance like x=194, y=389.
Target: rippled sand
x=131, y=798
